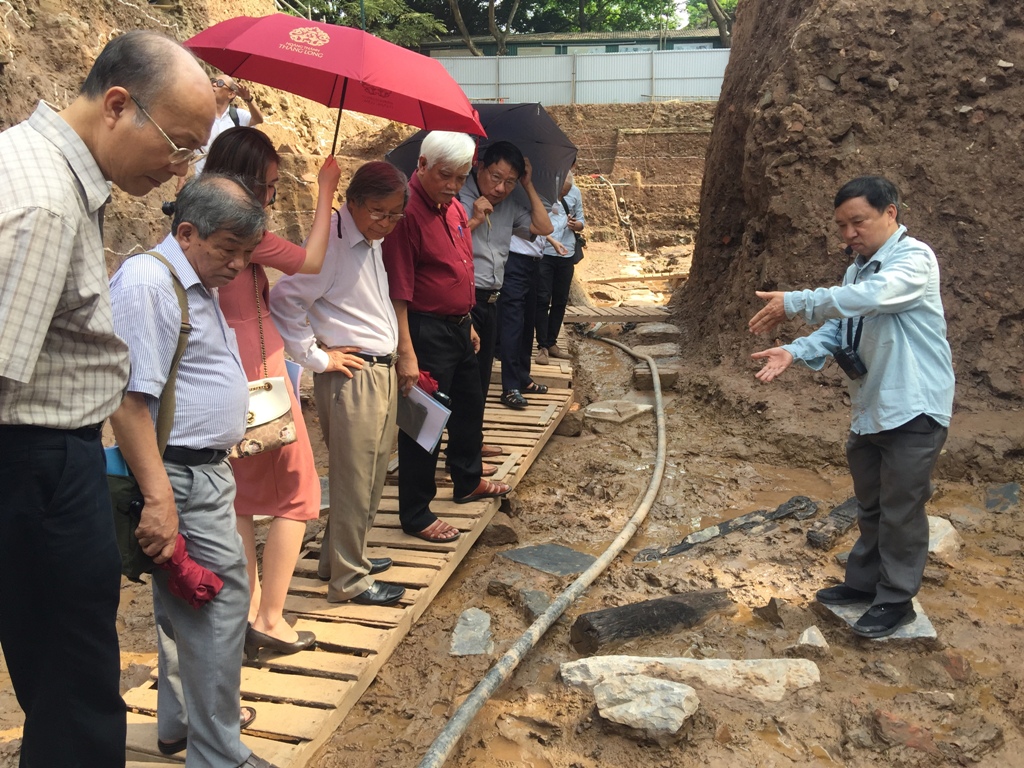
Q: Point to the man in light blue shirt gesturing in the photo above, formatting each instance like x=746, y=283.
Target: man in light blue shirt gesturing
x=886, y=329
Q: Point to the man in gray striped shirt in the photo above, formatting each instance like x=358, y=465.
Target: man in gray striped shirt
x=63, y=371
x=191, y=488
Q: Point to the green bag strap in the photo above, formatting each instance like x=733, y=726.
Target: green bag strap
x=165, y=411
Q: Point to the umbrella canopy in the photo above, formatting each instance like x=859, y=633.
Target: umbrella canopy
x=530, y=128
x=338, y=67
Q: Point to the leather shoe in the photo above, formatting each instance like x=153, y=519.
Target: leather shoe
x=843, y=595
x=254, y=761
x=256, y=640
x=381, y=593
x=377, y=565
x=883, y=619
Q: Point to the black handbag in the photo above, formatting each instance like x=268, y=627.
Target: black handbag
x=125, y=494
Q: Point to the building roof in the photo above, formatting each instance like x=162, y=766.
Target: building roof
x=562, y=38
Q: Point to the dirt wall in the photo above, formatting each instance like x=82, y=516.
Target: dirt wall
x=928, y=94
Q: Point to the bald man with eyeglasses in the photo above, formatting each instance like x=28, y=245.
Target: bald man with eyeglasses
x=143, y=110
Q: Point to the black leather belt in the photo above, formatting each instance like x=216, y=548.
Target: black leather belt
x=85, y=433
x=487, y=296
x=455, y=319
x=191, y=457
x=387, y=360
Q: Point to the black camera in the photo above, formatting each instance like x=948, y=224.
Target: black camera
x=850, y=362
x=167, y=206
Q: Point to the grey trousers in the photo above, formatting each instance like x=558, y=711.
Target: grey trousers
x=892, y=482
x=200, y=650
x=358, y=420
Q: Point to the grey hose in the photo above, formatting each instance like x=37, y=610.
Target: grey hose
x=445, y=742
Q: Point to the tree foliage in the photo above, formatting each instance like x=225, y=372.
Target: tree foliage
x=708, y=14
x=391, y=20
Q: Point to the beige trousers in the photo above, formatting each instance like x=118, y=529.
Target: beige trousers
x=358, y=419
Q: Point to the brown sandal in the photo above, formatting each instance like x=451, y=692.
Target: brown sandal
x=431, y=532
x=485, y=490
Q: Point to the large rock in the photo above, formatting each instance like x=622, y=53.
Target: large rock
x=761, y=679
x=643, y=380
x=664, y=351
x=657, y=333
x=472, y=635
x=943, y=540
x=615, y=411
x=646, y=703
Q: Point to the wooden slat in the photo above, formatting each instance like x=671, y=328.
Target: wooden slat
x=613, y=314
x=276, y=720
x=302, y=698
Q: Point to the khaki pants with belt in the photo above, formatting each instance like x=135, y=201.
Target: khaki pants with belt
x=358, y=419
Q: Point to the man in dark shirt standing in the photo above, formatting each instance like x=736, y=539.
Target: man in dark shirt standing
x=429, y=259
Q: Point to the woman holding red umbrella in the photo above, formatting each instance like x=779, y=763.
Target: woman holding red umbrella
x=282, y=483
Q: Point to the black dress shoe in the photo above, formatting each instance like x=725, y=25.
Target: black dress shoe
x=255, y=640
x=885, y=618
x=380, y=564
x=381, y=593
x=843, y=595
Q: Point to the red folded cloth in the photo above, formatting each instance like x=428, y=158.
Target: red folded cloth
x=189, y=580
x=427, y=383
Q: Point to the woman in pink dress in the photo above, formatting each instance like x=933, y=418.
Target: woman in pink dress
x=282, y=483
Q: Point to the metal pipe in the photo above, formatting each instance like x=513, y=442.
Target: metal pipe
x=442, y=746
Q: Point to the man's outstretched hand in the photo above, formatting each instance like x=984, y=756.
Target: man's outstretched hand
x=771, y=314
x=776, y=360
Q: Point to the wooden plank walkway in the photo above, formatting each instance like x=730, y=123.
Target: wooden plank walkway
x=303, y=698
x=616, y=314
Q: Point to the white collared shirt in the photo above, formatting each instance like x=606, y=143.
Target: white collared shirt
x=347, y=304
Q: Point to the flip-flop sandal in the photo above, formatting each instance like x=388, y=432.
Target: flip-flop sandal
x=533, y=388
x=246, y=716
x=514, y=399
x=431, y=537
x=491, y=490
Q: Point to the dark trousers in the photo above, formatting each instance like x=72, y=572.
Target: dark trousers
x=485, y=320
x=60, y=580
x=443, y=349
x=554, y=279
x=517, y=307
x=892, y=481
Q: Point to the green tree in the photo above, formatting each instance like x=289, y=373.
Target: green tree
x=500, y=18
x=391, y=20
x=707, y=14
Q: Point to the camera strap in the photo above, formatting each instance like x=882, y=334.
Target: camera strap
x=852, y=338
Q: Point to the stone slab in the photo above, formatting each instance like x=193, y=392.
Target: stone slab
x=1000, y=498
x=920, y=628
x=551, y=558
x=472, y=634
x=615, y=411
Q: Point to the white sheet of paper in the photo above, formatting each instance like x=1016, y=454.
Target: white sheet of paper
x=433, y=425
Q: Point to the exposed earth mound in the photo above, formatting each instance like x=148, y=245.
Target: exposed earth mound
x=930, y=95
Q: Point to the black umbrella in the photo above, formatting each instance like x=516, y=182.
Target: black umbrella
x=529, y=127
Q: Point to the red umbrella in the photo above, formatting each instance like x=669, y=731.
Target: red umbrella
x=340, y=67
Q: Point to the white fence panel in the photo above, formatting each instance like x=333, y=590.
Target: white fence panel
x=599, y=78
x=613, y=78
x=689, y=75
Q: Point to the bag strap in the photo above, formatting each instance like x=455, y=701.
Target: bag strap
x=259, y=319
x=165, y=411
x=233, y=114
x=566, y=206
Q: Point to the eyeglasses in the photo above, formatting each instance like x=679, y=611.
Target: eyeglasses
x=380, y=216
x=218, y=83
x=179, y=154
x=500, y=180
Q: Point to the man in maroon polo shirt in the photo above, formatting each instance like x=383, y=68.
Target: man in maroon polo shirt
x=429, y=260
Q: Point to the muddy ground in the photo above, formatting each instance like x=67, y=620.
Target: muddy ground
x=878, y=702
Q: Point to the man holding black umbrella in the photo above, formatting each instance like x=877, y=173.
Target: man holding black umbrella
x=494, y=216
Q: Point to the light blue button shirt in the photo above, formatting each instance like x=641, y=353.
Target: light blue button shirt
x=211, y=390
x=903, y=343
